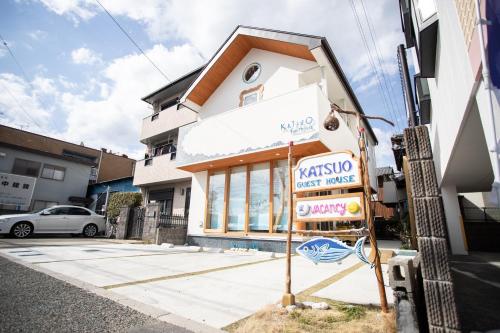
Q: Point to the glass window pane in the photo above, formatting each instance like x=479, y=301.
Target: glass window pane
x=259, y=198
x=47, y=172
x=280, y=196
x=216, y=200
x=237, y=196
x=59, y=174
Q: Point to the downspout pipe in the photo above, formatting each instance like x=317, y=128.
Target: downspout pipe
x=492, y=142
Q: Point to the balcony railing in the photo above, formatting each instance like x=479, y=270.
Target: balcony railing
x=269, y=124
x=158, y=169
x=164, y=121
x=172, y=221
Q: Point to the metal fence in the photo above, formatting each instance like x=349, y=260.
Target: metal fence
x=172, y=221
x=481, y=214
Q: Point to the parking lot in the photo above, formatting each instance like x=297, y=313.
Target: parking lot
x=209, y=287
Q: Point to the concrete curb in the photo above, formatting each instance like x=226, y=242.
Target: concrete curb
x=123, y=300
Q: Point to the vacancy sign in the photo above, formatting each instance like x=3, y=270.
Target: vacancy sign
x=339, y=207
x=326, y=172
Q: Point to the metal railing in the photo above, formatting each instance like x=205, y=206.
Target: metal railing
x=481, y=214
x=172, y=221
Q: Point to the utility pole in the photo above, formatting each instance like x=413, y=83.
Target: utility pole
x=412, y=113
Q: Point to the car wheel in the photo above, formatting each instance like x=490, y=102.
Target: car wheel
x=22, y=230
x=90, y=230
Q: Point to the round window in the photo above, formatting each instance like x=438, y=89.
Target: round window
x=251, y=73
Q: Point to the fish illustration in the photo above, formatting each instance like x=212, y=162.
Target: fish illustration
x=326, y=250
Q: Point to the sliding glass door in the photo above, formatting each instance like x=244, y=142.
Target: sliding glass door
x=259, y=198
x=237, y=199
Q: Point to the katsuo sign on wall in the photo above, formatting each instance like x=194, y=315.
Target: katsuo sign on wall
x=339, y=207
x=327, y=171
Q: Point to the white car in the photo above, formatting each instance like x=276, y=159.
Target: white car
x=56, y=219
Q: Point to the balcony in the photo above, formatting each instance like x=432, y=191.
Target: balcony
x=261, y=131
x=153, y=126
x=158, y=169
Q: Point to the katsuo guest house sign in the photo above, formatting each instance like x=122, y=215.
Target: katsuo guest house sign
x=326, y=172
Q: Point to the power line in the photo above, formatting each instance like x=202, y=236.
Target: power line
x=373, y=34
x=133, y=41
x=21, y=106
x=370, y=58
x=26, y=78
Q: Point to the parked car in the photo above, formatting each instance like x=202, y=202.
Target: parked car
x=56, y=219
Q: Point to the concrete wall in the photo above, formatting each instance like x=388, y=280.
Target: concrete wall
x=280, y=74
x=75, y=181
x=161, y=170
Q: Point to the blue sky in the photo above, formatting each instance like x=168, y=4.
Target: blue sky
x=85, y=79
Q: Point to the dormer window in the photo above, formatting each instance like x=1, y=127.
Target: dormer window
x=251, y=73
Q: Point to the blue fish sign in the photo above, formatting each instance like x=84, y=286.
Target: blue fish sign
x=328, y=250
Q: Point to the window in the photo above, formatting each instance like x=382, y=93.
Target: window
x=258, y=212
x=58, y=211
x=250, y=98
x=250, y=199
x=281, y=185
x=26, y=168
x=53, y=172
x=251, y=73
x=215, y=209
x=237, y=199
x=78, y=211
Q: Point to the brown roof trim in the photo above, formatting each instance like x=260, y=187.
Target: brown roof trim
x=47, y=154
x=98, y=151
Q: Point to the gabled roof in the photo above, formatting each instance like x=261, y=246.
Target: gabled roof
x=180, y=85
x=205, y=80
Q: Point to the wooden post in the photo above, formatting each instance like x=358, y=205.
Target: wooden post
x=288, y=297
x=369, y=220
x=411, y=211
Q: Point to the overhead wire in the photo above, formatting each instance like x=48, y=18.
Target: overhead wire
x=370, y=58
x=21, y=106
x=26, y=78
x=389, y=88
x=133, y=41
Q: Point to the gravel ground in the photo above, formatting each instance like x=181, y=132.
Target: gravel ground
x=31, y=301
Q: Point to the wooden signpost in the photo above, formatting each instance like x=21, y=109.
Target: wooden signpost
x=330, y=171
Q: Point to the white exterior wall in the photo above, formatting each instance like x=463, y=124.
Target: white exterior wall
x=280, y=74
x=179, y=199
x=452, y=87
x=198, y=203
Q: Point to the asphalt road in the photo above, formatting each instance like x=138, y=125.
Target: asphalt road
x=31, y=301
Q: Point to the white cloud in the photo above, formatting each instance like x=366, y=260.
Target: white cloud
x=37, y=34
x=383, y=151
x=206, y=24
x=19, y=103
x=113, y=118
x=76, y=10
x=85, y=56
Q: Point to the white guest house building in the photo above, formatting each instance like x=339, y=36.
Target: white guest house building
x=218, y=137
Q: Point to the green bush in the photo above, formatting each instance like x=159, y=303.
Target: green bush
x=120, y=199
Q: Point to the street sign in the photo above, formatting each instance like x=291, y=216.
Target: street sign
x=339, y=170
x=338, y=207
x=327, y=250
x=16, y=191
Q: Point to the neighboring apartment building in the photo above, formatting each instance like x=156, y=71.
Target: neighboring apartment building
x=59, y=170
x=453, y=102
x=223, y=130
